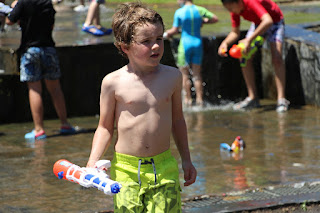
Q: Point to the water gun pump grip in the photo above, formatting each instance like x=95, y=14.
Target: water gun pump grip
x=236, y=50
x=87, y=177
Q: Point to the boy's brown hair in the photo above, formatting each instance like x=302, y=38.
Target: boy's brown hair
x=127, y=17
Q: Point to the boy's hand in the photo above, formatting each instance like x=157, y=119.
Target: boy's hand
x=91, y=164
x=205, y=20
x=190, y=173
x=246, y=43
x=222, y=51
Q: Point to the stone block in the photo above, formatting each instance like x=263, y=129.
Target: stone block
x=307, y=78
x=306, y=51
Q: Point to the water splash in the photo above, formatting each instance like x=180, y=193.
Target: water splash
x=225, y=105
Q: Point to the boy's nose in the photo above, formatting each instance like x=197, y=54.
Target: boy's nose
x=155, y=46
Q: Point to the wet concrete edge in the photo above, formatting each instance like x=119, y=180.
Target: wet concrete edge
x=299, y=193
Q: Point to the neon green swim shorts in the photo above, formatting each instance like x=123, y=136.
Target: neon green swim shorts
x=149, y=184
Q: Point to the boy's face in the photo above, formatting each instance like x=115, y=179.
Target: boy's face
x=147, y=46
x=181, y=2
x=234, y=7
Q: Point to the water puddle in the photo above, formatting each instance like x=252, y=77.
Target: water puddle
x=281, y=149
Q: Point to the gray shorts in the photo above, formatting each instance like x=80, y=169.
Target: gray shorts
x=274, y=34
x=38, y=63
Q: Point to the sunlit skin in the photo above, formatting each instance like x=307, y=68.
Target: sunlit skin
x=234, y=7
x=142, y=100
x=147, y=48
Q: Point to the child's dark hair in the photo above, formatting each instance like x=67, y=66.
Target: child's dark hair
x=127, y=17
x=229, y=1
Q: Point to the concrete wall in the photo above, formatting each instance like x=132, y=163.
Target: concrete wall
x=83, y=68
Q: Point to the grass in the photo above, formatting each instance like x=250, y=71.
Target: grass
x=201, y=2
x=294, y=15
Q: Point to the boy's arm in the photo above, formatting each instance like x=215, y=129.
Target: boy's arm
x=9, y=22
x=266, y=22
x=179, y=132
x=169, y=33
x=212, y=20
x=175, y=27
x=14, y=15
x=230, y=39
x=103, y=135
x=208, y=17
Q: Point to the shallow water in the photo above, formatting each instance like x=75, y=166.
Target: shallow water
x=281, y=149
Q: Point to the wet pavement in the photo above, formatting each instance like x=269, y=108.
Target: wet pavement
x=282, y=149
x=257, y=199
x=67, y=30
x=282, y=153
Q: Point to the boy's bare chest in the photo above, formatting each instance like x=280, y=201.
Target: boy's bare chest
x=144, y=94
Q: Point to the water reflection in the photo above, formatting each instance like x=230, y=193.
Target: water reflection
x=280, y=149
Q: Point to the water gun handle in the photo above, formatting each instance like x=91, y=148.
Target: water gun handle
x=236, y=51
x=103, y=163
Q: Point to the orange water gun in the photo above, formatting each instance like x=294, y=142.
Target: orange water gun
x=236, y=50
x=87, y=177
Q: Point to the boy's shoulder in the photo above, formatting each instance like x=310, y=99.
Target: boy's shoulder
x=170, y=74
x=166, y=71
x=113, y=76
x=169, y=70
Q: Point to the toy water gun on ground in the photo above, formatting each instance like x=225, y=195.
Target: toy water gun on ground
x=236, y=50
x=87, y=177
x=237, y=145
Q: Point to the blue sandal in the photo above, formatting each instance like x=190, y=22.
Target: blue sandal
x=32, y=136
x=106, y=31
x=67, y=130
x=93, y=30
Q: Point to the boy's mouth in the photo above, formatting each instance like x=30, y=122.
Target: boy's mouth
x=155, y=55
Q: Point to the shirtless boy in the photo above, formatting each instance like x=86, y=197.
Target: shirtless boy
x=142, y=100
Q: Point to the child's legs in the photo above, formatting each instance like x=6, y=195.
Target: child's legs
x=186, y=84
x=248, y=70
x=165, y=198
x=195, y=55
x=93, y=13
x=57, y=97
x=36, y=105
x=129, y=200
x=249, y=77
x=184, y=69
x=275, y=36
x=279, y=68
x=31, y=72
x=196, y=71
x=51, y=73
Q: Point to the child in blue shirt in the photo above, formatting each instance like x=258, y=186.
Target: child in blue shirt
x=190, y=18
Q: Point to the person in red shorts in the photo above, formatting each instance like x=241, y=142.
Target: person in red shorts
x=267, y=21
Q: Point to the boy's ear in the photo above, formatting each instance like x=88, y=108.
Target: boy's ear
x=124, y=48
